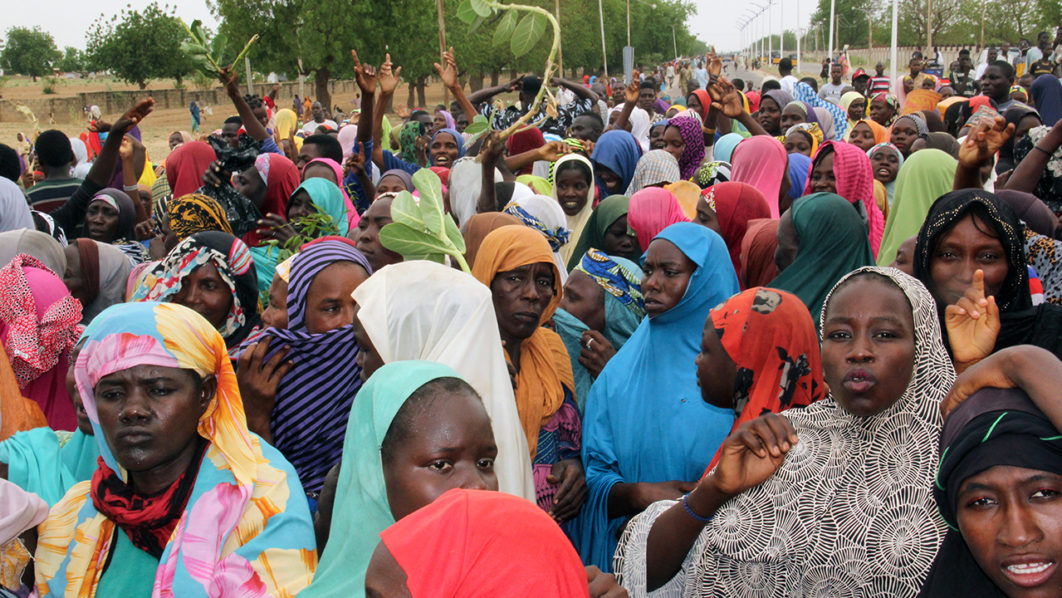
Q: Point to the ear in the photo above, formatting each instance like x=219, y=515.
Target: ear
x=207, y=390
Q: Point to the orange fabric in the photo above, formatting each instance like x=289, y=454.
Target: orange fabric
x=881, y=197
x=481, y=225
x=769, y=335
x=687, y=193
x=881, y=134
x=17, y=413
x=544, y=368
x=920, y=99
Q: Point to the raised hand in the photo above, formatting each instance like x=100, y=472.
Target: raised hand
x=448, y=73
x=553, y=150
x=984, y=141
x=972, y=323
x=365, y=75
x=133, y=116
x=715, y=65
x=230, y=80
x=387, y=77
x=633, y=89
x=258, y=380
x=726, y=98
x=752, y=453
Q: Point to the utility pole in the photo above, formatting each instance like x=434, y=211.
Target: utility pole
x=674, y=40
x=604, y=55
x=929, y=27
x=829, y=51
x=442, y=46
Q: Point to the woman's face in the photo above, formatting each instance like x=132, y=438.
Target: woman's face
x=862, y=137
x=769, y=115
x=656, y=137
x=868, y=345
x=673, y=142
x=319, y=170
x=611, y=180
x=101, y=222
x=904, y=261
x=328, y=301
x=792, y=115
x=369, y=359
x=206, y=293
x=584, y=299
x=694, y=103
x=300, y=206
x=706, y=216
x=573, y=190
x=250, y=185
x=788, y=242
x=521, y=295
x=618, y=241
x=965, y=248
x=175, y=140
x=450, y=445
x=903, y=135
x=886, y=165
x=667, y=273
x=823, y=179
x=444, y=150
x=375, y=218
x=1011, y=519
x=83, y=422
x=390, y=184
x=798, y=143
x=72, y=275
x=716, y=371
x=149, y=416
x=857, y=109
x=438, y=122
x=275, y=315
x=881, y=111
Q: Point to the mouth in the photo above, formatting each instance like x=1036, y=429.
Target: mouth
x=858, y=380
x=442, y=160
x=526, y=317
x=1028, y=572
x=135, y=436
x=884, y=172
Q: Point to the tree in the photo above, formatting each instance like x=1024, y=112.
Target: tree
x=139, y=45
x=73, y=60
x=29, y=52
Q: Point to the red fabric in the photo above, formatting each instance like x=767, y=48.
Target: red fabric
x=978, y=101
x=185, y=167
x=481, y=543
x=652, y=210
x=771, y=338
x=89, y=253
x=443, y=173
x=761, y=161
x=706, y=103
x=855, y=182
x=735, y=205
x=282, y=181
x=757, y=253
x=525, y=141
x=352, y=213
x=754, y=101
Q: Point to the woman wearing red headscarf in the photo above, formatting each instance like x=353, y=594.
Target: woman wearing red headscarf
x=735, y=205
x=844, y=169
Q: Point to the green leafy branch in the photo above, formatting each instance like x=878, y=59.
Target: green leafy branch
x=208, y=55
x=523, y=33
x=308, y=227
x=423, y=230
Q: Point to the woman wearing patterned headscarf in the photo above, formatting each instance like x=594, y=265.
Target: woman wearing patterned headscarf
x=544, y=215
x=654, y=169
x=689, y=129
x=193, y=213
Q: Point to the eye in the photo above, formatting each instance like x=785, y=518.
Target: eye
x=486, y=464
x=980, y=502
x=886, y=334
x=440, y=466
x=839, y=335
x=161, y=391
x=1045, y=493
x=110, y=395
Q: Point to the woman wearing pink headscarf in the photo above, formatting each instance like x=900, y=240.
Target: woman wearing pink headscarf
x=39, y=325
x=853, y=179
x=652, y=210
x=336, y=176
x=761, y=161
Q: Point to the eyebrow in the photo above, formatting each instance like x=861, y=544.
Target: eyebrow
x=887, y=319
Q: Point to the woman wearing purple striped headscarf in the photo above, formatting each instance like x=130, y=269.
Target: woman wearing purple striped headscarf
x=691, y=138
x=313, y=399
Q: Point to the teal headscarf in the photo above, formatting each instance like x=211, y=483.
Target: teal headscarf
x=833, y=242
x=361, y=507
x=621, y=281
x=328, y=199
x=48, y=462
x=724, y=147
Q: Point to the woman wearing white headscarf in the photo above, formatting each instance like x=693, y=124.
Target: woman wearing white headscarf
x=426, y=311
x=14, y=210
x=576, y=220
x=465, y=184
x=545, y=215
x=82, y=164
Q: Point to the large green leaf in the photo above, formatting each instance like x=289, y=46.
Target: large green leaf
x=412, y=244
x=454, y=234
x=465, y=12
x=481, y=8
x=527, y=33
x=505, y=28
x=431, y=200
x=404, y=209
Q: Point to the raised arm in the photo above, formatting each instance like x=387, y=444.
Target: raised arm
x=1028, y=172
x=388, y=79
x=489, y=92
x=980, y=145
x=231, y=81
x=583, y=92
x=726, y=99
x=630, y=100
x=448, y=74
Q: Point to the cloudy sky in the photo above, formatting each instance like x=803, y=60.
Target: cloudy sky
x=715, y=23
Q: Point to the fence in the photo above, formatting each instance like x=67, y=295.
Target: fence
x=810, y=62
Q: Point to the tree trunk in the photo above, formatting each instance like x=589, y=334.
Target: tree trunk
x=320, y=84
x=410, y=101
x=494, y=74
x=142, y=84
x=420, y=92
x=475, y=82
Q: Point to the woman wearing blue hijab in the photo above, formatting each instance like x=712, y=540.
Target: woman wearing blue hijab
x=615, y=156
x=724, y=147
x=799, y=168
x=647, y=433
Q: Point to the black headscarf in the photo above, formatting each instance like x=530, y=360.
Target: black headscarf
x=1022, y=323
x=126, y=213
x=993, y=427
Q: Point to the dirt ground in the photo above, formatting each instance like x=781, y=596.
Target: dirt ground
x=157, y=127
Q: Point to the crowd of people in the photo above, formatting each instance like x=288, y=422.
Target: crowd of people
x=798, y=337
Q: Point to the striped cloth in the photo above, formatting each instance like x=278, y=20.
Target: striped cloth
x=313, y=399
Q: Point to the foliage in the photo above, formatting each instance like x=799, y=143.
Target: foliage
x=29, y=52
x=208, y=55
x=73, y=61
x=423, y=230
x=308, y=227
x=50, y=83
x=140, y=45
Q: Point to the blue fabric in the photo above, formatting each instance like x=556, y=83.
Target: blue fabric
x=269, y=146
x=799, y=170
x=1047, y=94
x=457, y=137
x=803, y=92
x=645, y=420
x=392, y=161
x=724, y=146
x=619, y=152
x=39, y=461
x=352, y=185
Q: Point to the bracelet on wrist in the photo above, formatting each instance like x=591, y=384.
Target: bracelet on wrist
x=1037, y=147
x=130, y=187
x=689, y=511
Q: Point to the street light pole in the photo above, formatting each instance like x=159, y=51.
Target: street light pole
x=893, y=49
x=832, y=10
x=770, y=36
x=604, y=54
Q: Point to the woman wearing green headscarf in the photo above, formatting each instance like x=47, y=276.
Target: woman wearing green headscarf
x=925, y=175
x=820, y=239
x=406, y=408
x=323, y=195
x=607, y=231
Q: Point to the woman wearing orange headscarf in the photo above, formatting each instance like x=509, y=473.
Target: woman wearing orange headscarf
x=772, y=351
x=516, y=263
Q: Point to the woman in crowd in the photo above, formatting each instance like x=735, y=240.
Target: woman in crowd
x=96, y=275
x=641, y=444
x=607, y=231
x=735, y=205
x=184, y=494
x=110, y=218
x=818, y=243
x=651, y=211
x=212, y=273
x=770, y=112
x=543, y=214
x=318, y=196
x=182, y=217
x=883, y=109
x=573, y=189
x=866, y=133
x=515, y=263
x=615, y=157
x=762, y=162
x=844, y=169
x=923, y=178
x=906, y=130
x=601, y=307
x=885, y=161
x=835, y=495
x=39, y=325
x=684, y=140
x=34, y=243
x=655, y=169
x=367, y=233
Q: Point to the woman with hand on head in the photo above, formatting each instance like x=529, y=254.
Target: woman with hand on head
x=607, y=231
x=834, y=495
x=643, y=444
x=184, y=495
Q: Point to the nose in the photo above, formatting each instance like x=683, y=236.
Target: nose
x=861, y=350
x=651, y=283
x=1019, y=528
x=473, y=479
x=134, y=409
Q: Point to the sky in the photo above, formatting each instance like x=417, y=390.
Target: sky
x=716, y=21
